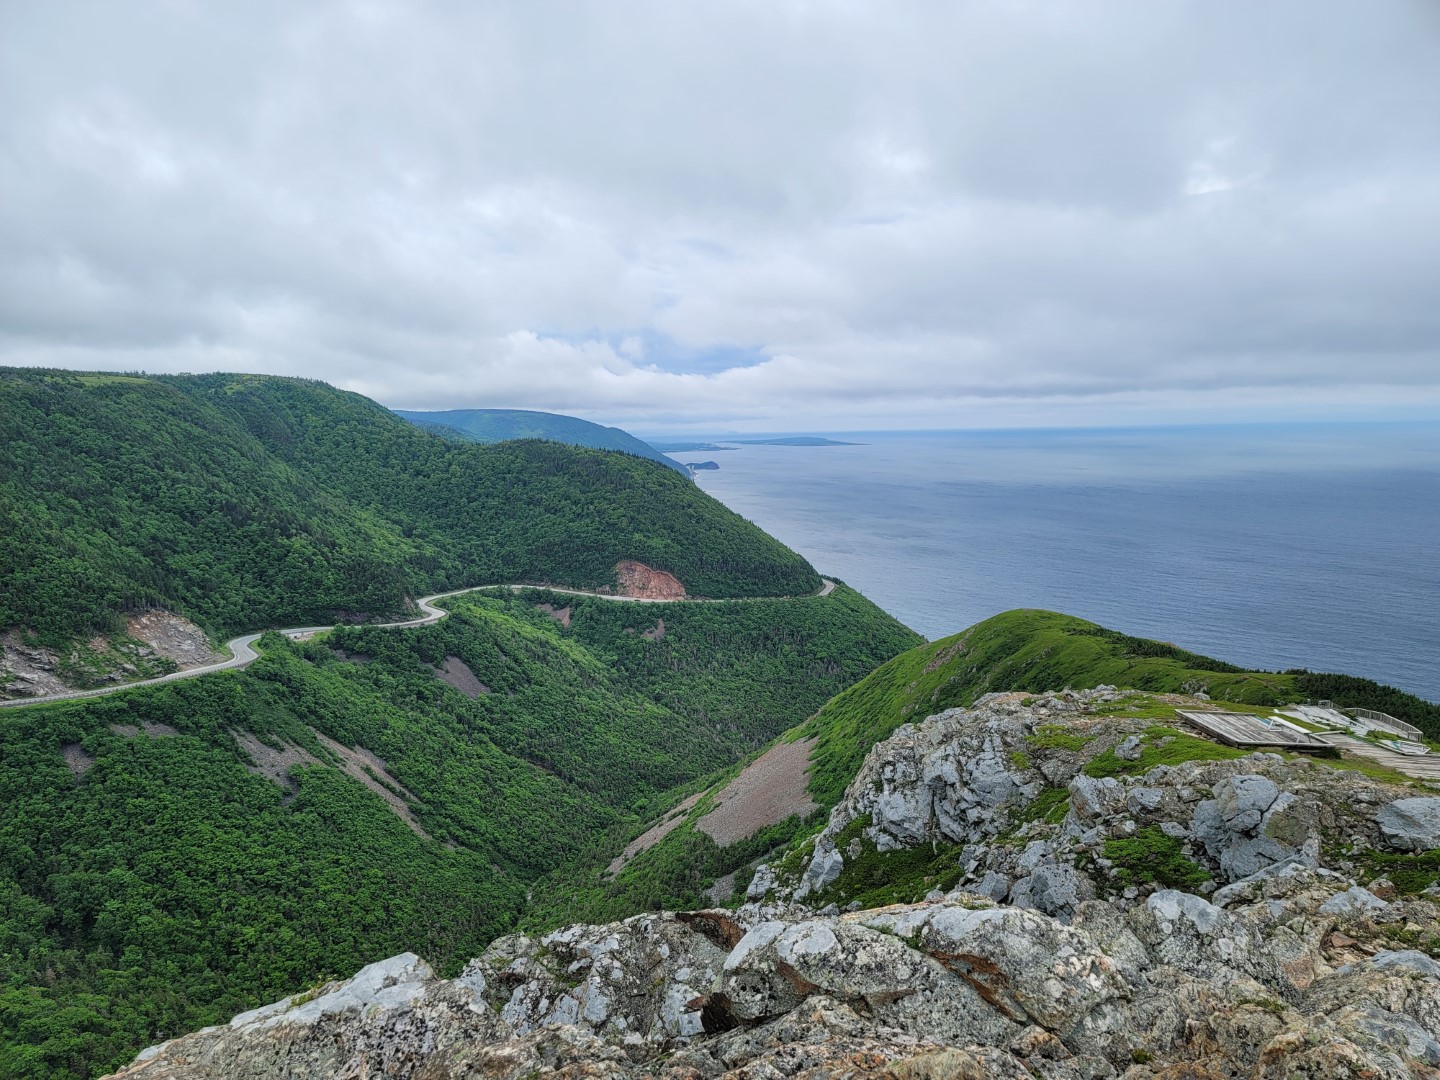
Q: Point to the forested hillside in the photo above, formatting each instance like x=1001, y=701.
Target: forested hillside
x=500, y=425
x=1027, y=650
x=250, y=501
x=170, y=855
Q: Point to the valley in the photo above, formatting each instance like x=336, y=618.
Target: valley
x=656, y=708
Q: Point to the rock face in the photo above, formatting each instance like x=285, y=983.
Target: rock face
x=1057, y=949
x=172, y=636
x=1272, y=986
x=154, y=643
x=637, y=579
x=1411, y=824
x=978, y=779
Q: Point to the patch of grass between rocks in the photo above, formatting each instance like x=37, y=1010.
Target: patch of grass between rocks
x=1150, y=857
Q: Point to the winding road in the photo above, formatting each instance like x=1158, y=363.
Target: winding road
x=242, y=649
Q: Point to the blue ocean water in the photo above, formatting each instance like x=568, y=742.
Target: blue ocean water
x=1273, y=547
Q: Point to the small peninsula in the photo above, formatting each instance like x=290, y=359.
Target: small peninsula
x=687, y=447
x=797, y=440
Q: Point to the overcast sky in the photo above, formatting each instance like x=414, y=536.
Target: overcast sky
x=734, y=215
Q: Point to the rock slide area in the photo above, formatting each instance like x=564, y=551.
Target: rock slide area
x=153, y=642
x=637, y=580
x=1100, y=896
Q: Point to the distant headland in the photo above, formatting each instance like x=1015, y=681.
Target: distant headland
x=797, y=440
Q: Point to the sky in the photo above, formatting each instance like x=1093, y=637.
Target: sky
x=742, y=216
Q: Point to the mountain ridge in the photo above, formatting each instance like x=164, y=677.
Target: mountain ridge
x=249, y=501
x=500, y=425
x=1022, y=650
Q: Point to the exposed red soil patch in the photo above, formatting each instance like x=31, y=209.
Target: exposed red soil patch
x=769, y=790
x=637, y=579
x=560, y=615
x=652, y=836
x=457, y=673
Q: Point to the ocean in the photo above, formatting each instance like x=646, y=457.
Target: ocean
x=1272, y=547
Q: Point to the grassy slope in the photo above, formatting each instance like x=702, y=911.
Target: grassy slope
x=246, y=501
x=500, y=425
x=1019, y=650
x=169, y=887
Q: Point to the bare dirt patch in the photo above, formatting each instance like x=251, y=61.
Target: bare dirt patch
x=273, y=764
x=360, y=763
x=656, y=632
x=172, y=636
x=945, y=655
x=151, y=728
x=637, y=579
x=560, y=615
x=352, y=658
x=769, y=790
x=652, y=836
x=457, y=673
x=77, y=760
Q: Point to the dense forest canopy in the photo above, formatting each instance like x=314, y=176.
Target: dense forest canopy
x=501, y=425
x=151, y=882
x=250, y=501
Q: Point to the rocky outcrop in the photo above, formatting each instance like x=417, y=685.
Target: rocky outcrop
x=1273, y=985
x=638, y=580
x=154, y=643
x=1411, y=824
x=1103, y=914
x=173, y=637
x=1019, y=786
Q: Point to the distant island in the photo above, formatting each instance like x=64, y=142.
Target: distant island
x=696, y=466
x=687, y=447
x=797, y=440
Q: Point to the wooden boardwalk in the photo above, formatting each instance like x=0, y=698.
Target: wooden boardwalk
x=1426, y=767
x=1245, y=730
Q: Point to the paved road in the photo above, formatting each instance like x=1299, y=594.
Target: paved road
x=242, y=649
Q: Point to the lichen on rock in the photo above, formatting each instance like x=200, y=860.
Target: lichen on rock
x=1055, y=949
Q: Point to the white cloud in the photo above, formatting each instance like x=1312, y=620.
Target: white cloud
x=862, y=214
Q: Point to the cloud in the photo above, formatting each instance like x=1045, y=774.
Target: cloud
x=754, y=215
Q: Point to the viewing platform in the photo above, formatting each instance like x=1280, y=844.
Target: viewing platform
x=1246, y=730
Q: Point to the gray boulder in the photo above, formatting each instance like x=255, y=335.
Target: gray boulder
x=1054, y=888
x=1411, y=824
x=1251, y=825
x=1243, y=800
x=1094, y=799
x=1353, y=901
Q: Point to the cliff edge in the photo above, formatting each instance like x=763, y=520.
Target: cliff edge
x=1098, y=896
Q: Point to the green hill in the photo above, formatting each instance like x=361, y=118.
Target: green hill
x=151, y=882
x=502, y=425
x=250, y=501
x=1024, y=650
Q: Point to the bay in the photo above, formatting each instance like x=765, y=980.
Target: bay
x=1301, y=545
